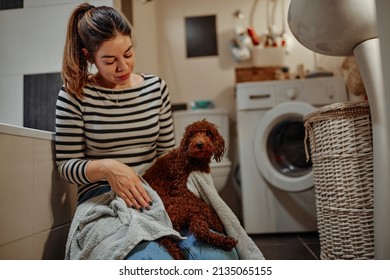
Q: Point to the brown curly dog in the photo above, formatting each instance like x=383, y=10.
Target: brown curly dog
x=168, y=177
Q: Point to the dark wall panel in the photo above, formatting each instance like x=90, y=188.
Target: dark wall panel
x=40, y=97
x=201, y=36
x=11, y=4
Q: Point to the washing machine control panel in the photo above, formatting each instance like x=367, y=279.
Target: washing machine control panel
x=315, y=91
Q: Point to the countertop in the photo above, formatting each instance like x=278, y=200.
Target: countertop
x=25, y=132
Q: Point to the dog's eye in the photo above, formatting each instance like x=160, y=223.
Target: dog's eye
x=208, y=133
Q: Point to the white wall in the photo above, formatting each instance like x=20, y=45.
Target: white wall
x=32, y=41
x=204, y=77
x=145, y=37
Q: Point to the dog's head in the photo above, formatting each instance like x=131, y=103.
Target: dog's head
x=202, y=139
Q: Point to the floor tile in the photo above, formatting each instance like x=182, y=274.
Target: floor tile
x=295, y=246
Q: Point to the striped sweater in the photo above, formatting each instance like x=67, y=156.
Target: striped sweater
x=133, y=126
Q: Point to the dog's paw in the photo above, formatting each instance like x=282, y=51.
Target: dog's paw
x=229, y=243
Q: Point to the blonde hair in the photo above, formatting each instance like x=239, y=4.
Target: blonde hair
x=88, y=28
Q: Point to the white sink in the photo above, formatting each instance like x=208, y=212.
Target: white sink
x=332, y=27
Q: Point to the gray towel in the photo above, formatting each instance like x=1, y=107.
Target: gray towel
x=105, y=228
x=246, y=248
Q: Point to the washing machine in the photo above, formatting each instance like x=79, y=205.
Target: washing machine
x=277, y=185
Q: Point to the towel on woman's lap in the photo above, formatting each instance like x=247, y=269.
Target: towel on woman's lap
x=105, y=228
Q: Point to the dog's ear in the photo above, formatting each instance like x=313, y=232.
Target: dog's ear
x=219, y=147
x=184, y=142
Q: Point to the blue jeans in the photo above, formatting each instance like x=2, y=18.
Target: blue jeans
x=193, y=250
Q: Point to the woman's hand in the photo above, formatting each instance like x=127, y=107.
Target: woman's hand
x=123, y=180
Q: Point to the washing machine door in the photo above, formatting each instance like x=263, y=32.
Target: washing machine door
x=280, y=149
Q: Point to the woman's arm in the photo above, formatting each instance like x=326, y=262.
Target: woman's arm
x=166, y=138
x=122, y=179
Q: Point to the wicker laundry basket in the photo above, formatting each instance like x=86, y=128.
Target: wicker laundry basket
x=340, y=137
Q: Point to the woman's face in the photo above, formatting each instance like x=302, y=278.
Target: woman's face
x=114, y=61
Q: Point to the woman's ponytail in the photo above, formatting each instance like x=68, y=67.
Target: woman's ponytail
x=74, y=63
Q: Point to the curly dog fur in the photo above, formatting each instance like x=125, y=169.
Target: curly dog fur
x=168, y=177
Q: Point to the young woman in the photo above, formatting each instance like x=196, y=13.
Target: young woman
x=111, y=122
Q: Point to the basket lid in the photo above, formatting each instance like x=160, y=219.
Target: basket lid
x=339, y=110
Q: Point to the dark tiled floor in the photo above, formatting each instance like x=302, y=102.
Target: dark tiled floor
x=291, y=246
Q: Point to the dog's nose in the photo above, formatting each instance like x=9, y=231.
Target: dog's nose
x=199, y=145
